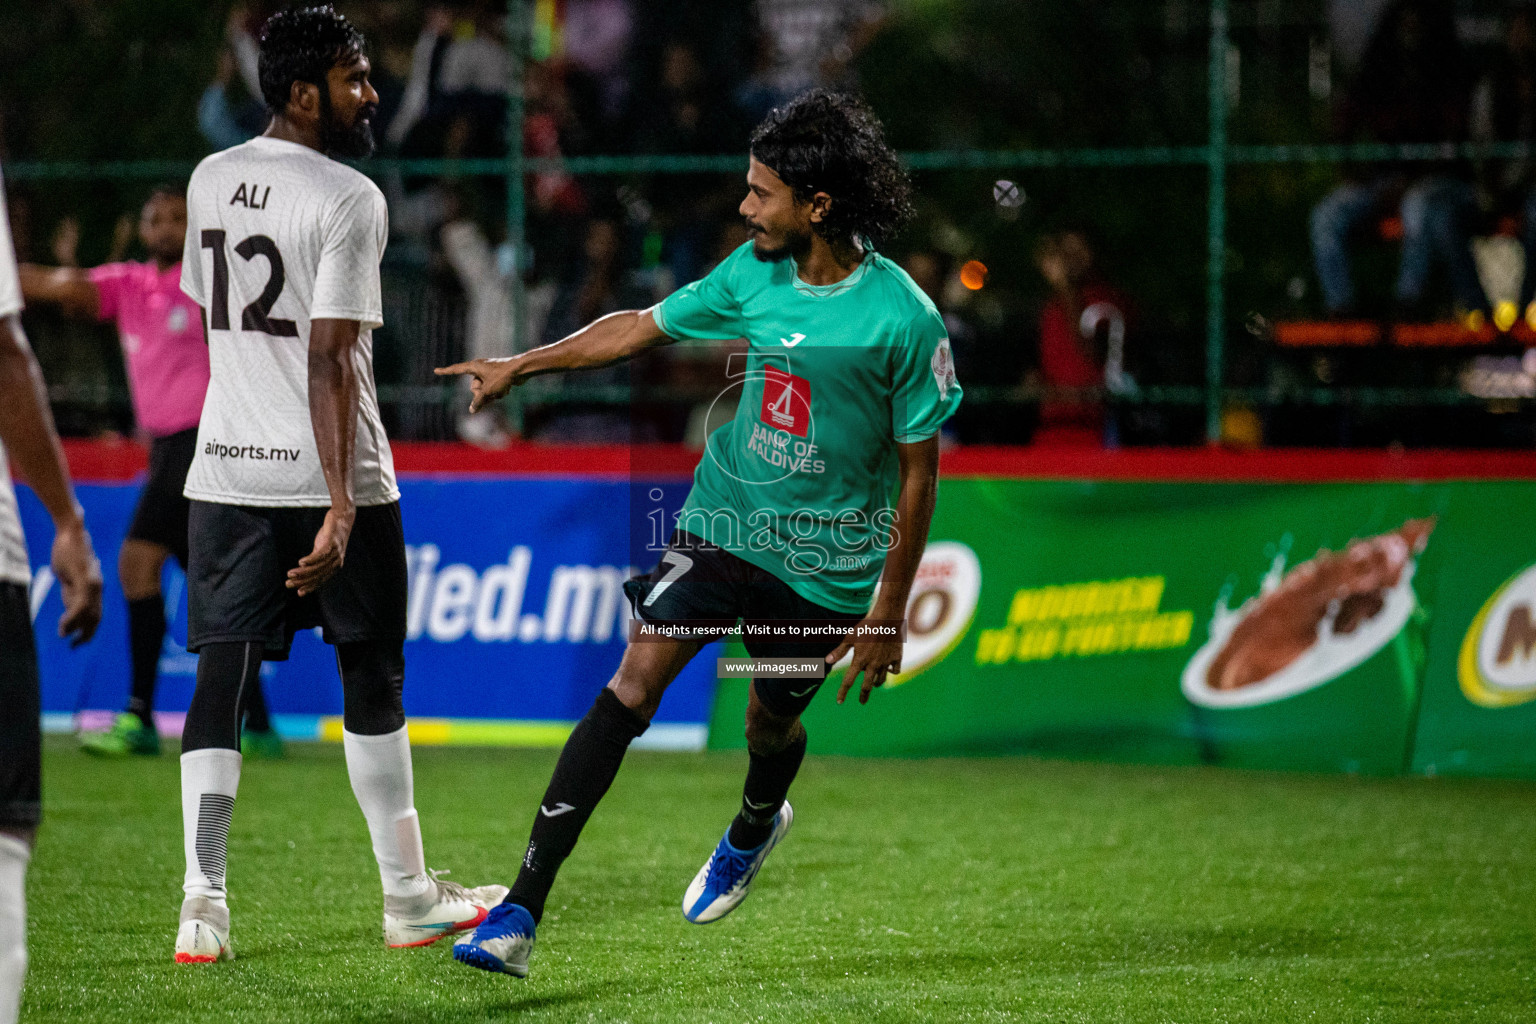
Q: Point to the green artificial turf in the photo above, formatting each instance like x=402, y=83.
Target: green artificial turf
x=949, y=890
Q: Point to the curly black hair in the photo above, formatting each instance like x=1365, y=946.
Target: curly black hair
x=302, y=45
x=830, y=142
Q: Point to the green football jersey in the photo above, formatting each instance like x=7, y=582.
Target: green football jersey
x=802, y=481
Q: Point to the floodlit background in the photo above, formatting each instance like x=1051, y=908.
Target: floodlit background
x=1238, y=291
x=1184, y=162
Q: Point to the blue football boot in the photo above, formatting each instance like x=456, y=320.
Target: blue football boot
x=501, y=943
x=726, y=878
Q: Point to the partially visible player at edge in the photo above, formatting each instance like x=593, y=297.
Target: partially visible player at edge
x=166, y=357
x=849, y=378
x=27, y=435
x=295, y=517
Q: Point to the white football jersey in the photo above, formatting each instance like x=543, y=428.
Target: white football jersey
x=13, y=546
x=279, y=235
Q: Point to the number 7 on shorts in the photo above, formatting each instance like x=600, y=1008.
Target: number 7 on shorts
x=680, y=564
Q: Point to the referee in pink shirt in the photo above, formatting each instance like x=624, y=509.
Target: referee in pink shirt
x=167, y=361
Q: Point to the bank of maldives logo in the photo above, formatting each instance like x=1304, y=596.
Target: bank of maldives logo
x=786, y=401
x=1497, y=666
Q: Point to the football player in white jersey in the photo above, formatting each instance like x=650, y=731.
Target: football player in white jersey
x=295, y=517
x=27, y=436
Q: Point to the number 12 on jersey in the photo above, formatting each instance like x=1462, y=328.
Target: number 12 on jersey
x=256, y=316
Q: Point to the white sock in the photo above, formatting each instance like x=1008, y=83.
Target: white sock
x=380, y=770
x=209, y=779
x=14, y=855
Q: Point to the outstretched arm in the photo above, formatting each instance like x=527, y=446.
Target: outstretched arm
x=26, y=428
x=333, y=403
x=69, y=287
x=611, y=339
x=877, y=656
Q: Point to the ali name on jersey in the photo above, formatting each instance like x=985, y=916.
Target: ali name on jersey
x=279, y=235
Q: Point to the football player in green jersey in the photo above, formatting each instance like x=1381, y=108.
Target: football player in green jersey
x=790, y=519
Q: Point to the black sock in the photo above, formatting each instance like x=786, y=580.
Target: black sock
x=256, y=718
x=768, y=780
x=586, y=768
x=146, y=635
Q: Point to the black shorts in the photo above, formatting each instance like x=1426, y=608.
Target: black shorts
x=237, y=578
x=161, y=516
x=21, y=738
x=717, y=586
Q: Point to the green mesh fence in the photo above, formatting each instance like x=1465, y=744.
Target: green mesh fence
x=1215, y=157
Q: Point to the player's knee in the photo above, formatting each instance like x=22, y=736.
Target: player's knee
x=372, y=681
x=769, y=733
x=639, y=685
x=645, y=672
x=639, y=695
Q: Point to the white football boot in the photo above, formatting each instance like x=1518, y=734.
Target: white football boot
x=203, y=937
x=445, y=909
x=726, y=878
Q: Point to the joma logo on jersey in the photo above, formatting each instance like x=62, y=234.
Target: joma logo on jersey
x=248, y=198
x=786, y=401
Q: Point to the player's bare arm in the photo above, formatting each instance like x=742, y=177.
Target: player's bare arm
x=876, y=658
x=26, y=428
x=333, y=401
x=70, y=288
x=608, y=340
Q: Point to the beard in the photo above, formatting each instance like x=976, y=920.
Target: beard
x=351, y=141
x=795, y=244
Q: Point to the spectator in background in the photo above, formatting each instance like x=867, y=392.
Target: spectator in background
x=1083, y=328
x=420, y=85
x=167, y=360
x=756, y=95
x=1412, y=87
x=548, y=124
x=685, y=112
x=985, y=348
x=933, y=272
x=814, y=42
x=454, y=103
x=719, y=32
x=597, y=37
x=557, y=208
x=601, y=288
x=230, y=110
x=472, y=79
x=1504, y=110
x=488, y=316
x=557, y=203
